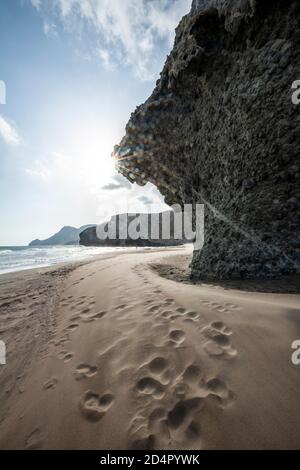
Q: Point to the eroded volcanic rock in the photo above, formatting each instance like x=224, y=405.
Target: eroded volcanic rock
x=220, y=129
x=153, y=236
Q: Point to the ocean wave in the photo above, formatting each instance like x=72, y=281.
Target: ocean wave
x=36, y=257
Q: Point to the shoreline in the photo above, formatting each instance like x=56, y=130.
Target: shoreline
x=107, y=354
x=88, y=257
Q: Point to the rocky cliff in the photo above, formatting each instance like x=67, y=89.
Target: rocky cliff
x=120, y=225
x=220, y=129
x=66, y=236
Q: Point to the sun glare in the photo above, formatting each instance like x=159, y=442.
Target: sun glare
x=91, y=150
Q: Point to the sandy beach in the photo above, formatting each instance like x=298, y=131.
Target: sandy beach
x=108, y=354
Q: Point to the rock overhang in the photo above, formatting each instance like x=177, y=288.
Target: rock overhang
x=220, y=129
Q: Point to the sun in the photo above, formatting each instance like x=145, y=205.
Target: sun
x=91, y=149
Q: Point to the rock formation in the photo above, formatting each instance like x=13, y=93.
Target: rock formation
x=121, y=223
x=220, y=129
x=66, y=236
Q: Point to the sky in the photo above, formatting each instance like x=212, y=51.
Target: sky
x=71, y=73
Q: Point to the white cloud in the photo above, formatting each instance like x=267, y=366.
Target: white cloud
x=105, y=58
x=54, y=167
x=8, y=132
x=39, y=174
x=130, y=29
x=2, y=92
x=36, y=4
x=41, y=170
x=133, y=199
x=50, y=29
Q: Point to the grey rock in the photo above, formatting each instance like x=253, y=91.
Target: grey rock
x=220, y=129
x=66, y=236
x=89, y=237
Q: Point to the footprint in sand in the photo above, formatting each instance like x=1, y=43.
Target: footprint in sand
x=167, y=314
x=158, y=365
x=219, y=308
x=86, y=318
x=181, y=389
x=176, y=419
x=177, y=336
x=89, y=317
x=219, y=343
x=220, y=326
x=85, y=311
x=219, y=391
x=99, y=314
x=216, y=306
x=155, y=419
x=62, y=340
x=121, y=307
x=178, y=424
x=34, y=440
x=150, y=386
x=153, y=308
x=72, y=327
x=191, y=317
x=181, y=310
x=232, y=306
x=192, y=374
x=192, y=432
x=85, y=371
x=75, y=317
x=168, y=302
x=51, y=383
x=180, y=418
x=213, y=349
x=145, y=443
x=93, y=406
x=65, y=356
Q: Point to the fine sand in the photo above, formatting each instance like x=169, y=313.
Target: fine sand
x=110, y=355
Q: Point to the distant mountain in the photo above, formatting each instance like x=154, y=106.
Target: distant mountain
x=89, y=237
x=66, y=236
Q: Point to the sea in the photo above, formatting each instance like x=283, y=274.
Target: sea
x=17, y=258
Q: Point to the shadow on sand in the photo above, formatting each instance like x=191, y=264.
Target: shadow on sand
x=181, y=273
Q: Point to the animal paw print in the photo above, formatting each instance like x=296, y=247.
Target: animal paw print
x=219, y=343
x=93, y=406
